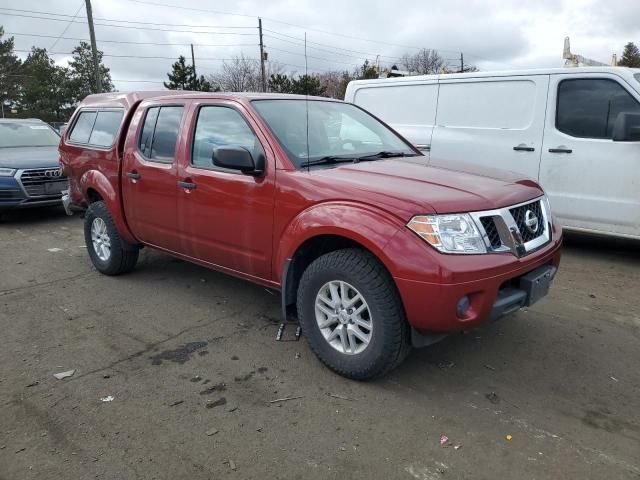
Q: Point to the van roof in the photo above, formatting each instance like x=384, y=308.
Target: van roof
x=622, y=71
x=127, y=100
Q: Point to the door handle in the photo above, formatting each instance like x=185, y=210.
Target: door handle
x=187, y=185
x=424, y=147
x=133, y=175
x=524, y=148
x=560, y=150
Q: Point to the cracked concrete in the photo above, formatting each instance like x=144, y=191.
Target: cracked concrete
x=563, y=378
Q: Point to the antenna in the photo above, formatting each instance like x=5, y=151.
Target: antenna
x=306, y=94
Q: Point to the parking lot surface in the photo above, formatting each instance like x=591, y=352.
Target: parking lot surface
x=189, y=359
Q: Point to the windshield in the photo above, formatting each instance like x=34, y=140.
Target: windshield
x=637, y=75
x=17, y=134
x=335, y=130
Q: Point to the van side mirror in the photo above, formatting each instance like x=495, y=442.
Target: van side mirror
x=627, y=127
x=237, y=158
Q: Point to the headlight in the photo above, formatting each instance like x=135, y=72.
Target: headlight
x=7, y=172
x=456, y=233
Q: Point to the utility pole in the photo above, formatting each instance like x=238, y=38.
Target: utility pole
x=262, y=74
x=94, y=49
x=461, y=62
x=193, y=64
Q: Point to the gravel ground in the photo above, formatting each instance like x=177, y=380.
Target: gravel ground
x=190, y=359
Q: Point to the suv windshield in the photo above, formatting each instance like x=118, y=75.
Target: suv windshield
x=337, y=131
x=23, y=134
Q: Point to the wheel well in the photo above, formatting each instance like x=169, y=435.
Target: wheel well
x=93, y=196
x=310, y=250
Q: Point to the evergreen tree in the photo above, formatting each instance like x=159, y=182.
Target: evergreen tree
x=10, y=70
x=82, y=73
x=280, y=83
x=44, y=87
x=307, y=85
x=630, y=56
x=182, y=77
x=367, y=71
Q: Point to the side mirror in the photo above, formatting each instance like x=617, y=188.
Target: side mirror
x=627, y=127
x=237, y=158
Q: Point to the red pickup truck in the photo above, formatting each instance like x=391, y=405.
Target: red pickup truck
x=371, y=248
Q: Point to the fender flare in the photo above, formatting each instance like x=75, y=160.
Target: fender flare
x=366, y=225
x=96, y=180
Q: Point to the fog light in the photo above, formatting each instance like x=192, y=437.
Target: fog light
x=463, y=306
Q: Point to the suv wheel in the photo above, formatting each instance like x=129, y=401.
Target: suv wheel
x=351, y=314
x=108, y=252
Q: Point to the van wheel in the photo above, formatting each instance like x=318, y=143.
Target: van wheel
x=351, y=314
x=108, y=252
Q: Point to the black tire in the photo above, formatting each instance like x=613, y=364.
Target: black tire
x=123, y=257
x=390, y=336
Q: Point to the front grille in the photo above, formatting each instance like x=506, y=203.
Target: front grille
x=43, y=182
x=519, y=215
x=491, y=230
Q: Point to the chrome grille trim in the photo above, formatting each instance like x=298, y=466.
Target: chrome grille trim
x=33, y=181
x=511, y=237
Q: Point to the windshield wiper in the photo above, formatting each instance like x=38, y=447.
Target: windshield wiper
x=328, y=159
x=383, y=154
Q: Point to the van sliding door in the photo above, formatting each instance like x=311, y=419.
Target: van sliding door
x=495, y=122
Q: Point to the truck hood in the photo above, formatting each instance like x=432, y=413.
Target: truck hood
x=409, y=186
x=29, y=157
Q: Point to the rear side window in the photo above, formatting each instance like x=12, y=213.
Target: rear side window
x=82, y=129
x=160, y=133
x=220, y=126
x=105, y=128
x=588, y=107
x=97, y=128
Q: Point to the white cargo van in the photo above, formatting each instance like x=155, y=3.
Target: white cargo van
x=575, y=130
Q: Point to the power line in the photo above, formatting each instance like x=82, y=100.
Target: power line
x=67, y=27
x=135, y=43
x=130, y=26
x=210, y=59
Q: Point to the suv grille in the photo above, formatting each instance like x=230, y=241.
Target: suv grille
x=492, y=232
x=519, y=215
x=43, y=182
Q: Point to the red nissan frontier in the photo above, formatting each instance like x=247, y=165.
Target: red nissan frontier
x=373, y=249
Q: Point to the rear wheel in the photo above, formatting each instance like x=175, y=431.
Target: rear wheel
x=108, y=252
x=351, y=314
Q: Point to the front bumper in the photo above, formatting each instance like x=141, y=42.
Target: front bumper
x=14, y=194
x=432, y=307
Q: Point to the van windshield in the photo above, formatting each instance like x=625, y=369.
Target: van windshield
x=637, y=75
x=336, y=131
x=19, y=134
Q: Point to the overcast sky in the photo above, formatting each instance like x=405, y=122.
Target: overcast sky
x=493, y=34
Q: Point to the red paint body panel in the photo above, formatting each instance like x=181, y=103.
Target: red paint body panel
x=249, y=226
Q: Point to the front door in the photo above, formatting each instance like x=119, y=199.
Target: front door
x=149, y=178
x=225, y=216
x=593, y=183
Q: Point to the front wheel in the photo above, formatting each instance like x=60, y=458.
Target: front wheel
x=108, y=252
x=351, y=314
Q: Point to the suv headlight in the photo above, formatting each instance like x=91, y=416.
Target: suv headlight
x=7, y=172
x=455, y=233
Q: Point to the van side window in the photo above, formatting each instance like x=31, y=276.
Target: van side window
x=220, y=126
x=105, y=128
x=82, y=128
x=160, y=133
x=588, y=107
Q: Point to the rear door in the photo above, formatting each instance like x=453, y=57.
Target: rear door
x=593, y=182
x=408, y=108
x=495, y=122
x=150, y=175
x=225, y=216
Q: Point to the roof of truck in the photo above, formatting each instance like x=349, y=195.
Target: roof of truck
x=128, y=99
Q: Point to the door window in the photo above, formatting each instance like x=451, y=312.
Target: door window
x=588, y=107
x=219, y=126
x=160, y=133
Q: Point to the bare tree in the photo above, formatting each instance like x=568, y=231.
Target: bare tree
x=424, y=62
x=240, y=74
